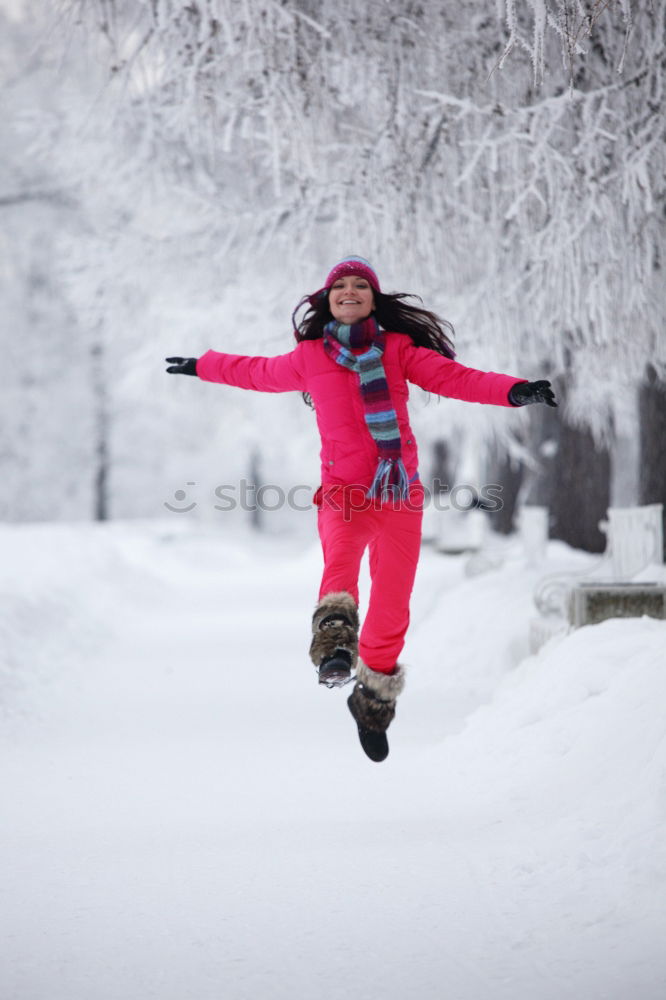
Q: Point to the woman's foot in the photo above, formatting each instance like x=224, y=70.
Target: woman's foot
x=334, y=646
x=335, y=670
x=372, y=704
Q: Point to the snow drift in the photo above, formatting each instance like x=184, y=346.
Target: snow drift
x=187, y=815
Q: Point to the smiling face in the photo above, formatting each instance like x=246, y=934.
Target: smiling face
x=351, y=299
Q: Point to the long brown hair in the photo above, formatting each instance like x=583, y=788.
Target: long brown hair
x=393, y=314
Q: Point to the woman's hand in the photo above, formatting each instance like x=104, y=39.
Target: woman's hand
x=523, y=393
x=182, y=366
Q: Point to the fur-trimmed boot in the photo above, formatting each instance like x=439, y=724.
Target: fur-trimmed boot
x=372, y=703
x=334, y=647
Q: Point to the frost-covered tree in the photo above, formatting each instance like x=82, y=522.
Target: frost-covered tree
x=519, y=157
x=506, y=161
x=46, y=405
x=607, y=255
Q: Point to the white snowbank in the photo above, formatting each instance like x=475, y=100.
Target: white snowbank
x=187, y=815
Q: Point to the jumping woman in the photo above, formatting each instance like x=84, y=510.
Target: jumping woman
x=357, y=348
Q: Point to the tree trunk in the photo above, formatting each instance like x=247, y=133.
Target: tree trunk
x=543, y=437
x=652, y=466
x=254, y=476
x=508, y=473
x=572, y=477
x=101, y=442
x=442, y=474
x=581, y=489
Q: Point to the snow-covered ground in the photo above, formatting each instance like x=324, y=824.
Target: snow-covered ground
x=188, y=816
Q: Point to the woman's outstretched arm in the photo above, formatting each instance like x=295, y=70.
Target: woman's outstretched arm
x=435, y=373
x=283, y=373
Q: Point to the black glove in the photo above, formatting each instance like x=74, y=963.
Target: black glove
x=182, y=366
x=523, y=393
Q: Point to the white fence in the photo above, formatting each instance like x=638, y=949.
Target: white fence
x=635, y=539
x=634, y=542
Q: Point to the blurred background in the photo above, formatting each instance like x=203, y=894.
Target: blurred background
x=176, y=175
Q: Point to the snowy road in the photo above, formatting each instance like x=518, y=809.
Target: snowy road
x=187, y=816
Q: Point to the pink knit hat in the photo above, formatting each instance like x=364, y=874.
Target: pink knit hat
x=353, y=265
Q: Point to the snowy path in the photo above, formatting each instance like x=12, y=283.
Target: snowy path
x=187, y=816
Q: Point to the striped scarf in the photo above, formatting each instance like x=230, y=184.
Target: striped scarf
x=380, y=417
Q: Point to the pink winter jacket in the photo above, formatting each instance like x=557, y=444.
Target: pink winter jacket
x=348, y=451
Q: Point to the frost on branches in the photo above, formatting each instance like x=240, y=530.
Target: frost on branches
x=511, y=161
x=505, y=161
x=572, y=22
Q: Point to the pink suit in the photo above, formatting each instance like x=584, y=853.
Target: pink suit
x=347, y=522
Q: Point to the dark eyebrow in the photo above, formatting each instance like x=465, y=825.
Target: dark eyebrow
x=356, y=277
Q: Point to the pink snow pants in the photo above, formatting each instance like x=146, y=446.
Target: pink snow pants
x=392, y=532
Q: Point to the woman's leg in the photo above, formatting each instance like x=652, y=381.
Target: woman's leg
x=344, y=536
x=334, y=646
x=394, y=555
